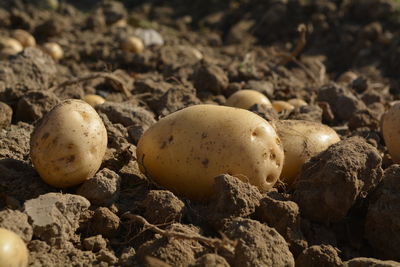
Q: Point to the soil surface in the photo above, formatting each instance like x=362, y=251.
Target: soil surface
x=340, y=56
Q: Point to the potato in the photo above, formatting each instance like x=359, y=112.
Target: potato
x=25, y=38
x=68, y=144
x=9, y=46
x=13, y=251
x=247, y=98
x=391, y=131
x=185, y=150
x=54, y=50
x=302, y=140
x=297, y=102
x=280, y=106
x=133, y=44
x=93, y=100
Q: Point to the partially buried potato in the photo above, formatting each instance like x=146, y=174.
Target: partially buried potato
x=68, y=144
x=302, y=140
x=247, y=98
x=185, y=150
x=391, y=131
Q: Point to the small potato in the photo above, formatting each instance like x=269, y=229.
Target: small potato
x=54, y=50
x=13, y=251
x=280, y=106
x=185, y=150
x=302, y=140
x=24, y=37
x=9, y=46
x=133, y=44
x=68, y=145
x=391, y=131
x=93, y=100
x=247, y=98
x=297, y=102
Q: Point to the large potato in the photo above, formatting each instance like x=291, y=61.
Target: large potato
x=391, y=131
x=302, y=140
x=68, y=145
x=247, y=98
x=185, y=150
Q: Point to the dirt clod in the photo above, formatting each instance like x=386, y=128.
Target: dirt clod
x=55, y=217
x=17, y=222
x=162, y=207
x=94, y=243
x=284, y=216
x=330, y=183
x=105, y=222
x=5, y=115
x=382, y=228
x=103, y=189
x=258, y=244
x=323, y=255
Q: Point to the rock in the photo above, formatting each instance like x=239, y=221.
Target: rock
x=176, y=252
x=233, y=198
x=211, y=260
x=210, y=78
x=315, y=256
x=382, y=227
x=105, y=222
x=33, y=105
x=17, y=222
x=284, y=216
x=94, y=243
x=126, y=114
x=370, y=262
x=330, y=183
x=162, y=207
x=103, y=189
x=258, y=244
x=149, y=37
x=343, y=102
x=5, y=115
x=55, y=216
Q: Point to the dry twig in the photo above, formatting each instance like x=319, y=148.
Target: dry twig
x=219, y=244
x=301, y=42
x=105, y=75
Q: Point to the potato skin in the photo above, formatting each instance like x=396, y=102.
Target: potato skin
x=185, y=150
x=391, y=131
x=68, y=145
x=302, y=140
x=281, y=106
x=247, y=98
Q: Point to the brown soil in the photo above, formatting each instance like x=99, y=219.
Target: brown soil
x=344, y=208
